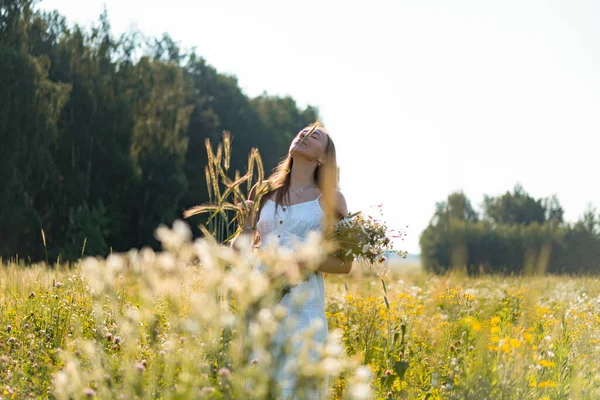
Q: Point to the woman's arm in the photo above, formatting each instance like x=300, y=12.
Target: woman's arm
x=334, y=264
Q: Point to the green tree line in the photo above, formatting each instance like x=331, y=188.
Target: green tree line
x=102, y=138
x=515, y=234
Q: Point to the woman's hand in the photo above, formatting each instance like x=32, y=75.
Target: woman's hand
x=335, y=265
x=245, y=217
x=245, y=221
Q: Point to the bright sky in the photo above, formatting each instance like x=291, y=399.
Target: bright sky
x=421, y=97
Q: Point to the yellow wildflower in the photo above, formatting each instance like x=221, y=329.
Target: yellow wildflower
x=533, y=383
x=544, y=384
x=515, y=343
x=546, y=363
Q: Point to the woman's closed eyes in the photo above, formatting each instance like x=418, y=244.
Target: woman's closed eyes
x=313, y=135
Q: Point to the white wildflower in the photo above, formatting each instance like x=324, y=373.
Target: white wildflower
x=363, y=373
x=166, y=261
x=182, y=230
x=115, y=262
x=331, y=366
x=361, y=391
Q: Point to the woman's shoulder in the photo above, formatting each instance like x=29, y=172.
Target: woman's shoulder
x=341, y=206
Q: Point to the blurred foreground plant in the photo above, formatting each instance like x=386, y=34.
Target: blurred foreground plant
x=159, y=331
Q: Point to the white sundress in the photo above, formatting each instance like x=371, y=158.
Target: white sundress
x=285, y=225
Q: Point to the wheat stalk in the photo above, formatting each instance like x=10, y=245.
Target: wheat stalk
x=226, y=195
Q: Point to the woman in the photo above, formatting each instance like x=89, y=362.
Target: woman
x=302, y=196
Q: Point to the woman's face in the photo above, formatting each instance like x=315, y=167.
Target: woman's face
x=312, y=147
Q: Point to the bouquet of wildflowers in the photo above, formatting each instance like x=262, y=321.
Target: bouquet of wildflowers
x=364, y=239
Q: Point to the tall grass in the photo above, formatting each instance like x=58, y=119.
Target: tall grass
x=147, y=325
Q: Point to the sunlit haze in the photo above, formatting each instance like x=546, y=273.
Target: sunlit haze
x=421, y=98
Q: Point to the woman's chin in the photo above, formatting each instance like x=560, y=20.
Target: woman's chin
x=298, y=151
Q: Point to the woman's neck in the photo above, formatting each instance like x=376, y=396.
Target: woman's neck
x=303, y=172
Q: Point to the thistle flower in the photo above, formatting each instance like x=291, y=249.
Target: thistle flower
x=140, y=367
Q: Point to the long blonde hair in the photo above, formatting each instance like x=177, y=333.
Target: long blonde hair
x=325, y=176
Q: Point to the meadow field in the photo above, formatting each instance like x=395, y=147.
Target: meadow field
x=178, y=325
